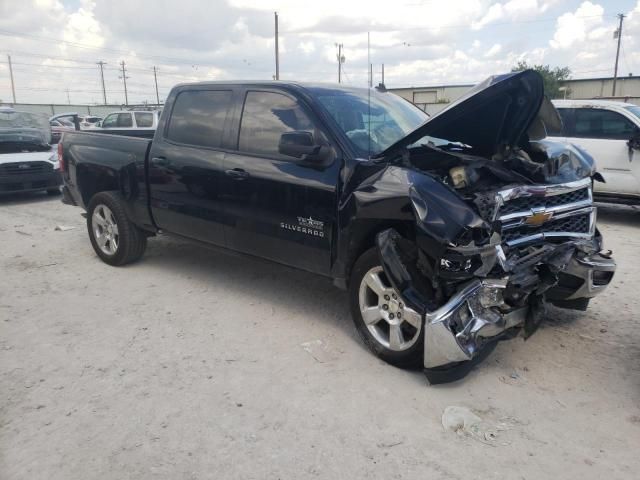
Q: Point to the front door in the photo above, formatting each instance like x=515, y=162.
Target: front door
x=277, y=207
x=604, y=134
x=186, y=165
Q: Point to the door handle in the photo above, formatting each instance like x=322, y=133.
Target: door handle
x=160, y=162
x=237, y=173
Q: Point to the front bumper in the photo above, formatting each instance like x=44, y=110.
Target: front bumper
x=475, y=317
x=30, y=182
x=463, y=330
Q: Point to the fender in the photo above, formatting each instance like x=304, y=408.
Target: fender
x=420, y=207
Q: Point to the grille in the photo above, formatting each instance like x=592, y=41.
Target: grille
x=528, y=203
x=575, y=224
x=569, y=220
x=24, y=168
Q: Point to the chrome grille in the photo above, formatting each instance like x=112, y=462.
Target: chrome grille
x=542, y=212
x=24, y=168
x=528, y=203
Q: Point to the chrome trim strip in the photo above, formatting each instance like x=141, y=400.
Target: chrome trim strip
x=559, y=216
x=542, y=190
x=554, y=210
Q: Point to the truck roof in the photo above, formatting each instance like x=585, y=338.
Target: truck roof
x=275, y=83
x=590, y=103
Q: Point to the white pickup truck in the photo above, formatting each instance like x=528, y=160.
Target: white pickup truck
x=610, y=132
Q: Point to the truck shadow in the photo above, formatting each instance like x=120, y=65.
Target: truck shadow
x=293, y=292
x=619, y=214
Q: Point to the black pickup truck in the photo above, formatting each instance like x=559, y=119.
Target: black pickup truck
x=450, y=233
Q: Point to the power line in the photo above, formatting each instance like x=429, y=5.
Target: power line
x=101, y=64
x=618, y=34
x=124, y=81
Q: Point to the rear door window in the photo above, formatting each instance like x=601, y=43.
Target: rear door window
x=266, y=116
x=198, y=117
x=144, y=119
x=600, y=123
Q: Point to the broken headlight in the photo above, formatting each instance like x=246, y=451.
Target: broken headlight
x=455, y=266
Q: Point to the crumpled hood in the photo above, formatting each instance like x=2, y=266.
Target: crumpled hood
x=497, y=111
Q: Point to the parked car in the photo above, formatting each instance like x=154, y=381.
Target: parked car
x=131, y=123
x=58, y=127
x=89, y=121
x=445, y=246
x=27, y=160
x=610, y=132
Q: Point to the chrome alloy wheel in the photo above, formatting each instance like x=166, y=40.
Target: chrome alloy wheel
x=105, y=229
x=391, y=323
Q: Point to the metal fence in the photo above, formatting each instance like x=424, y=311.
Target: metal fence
x=55, y=108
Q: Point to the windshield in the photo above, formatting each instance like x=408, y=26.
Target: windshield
x=373, y=127
x=24, y=131
x=634, y=109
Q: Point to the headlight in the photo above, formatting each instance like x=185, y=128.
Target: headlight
x=54, y=160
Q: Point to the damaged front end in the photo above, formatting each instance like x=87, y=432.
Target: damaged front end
x=504, y=223
x=540, y=247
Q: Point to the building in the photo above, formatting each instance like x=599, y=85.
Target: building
x=434, y=98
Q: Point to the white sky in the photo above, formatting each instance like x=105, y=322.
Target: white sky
x=54, y=44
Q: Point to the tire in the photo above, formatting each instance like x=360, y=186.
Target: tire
x=52, y=192
x=398, y=341
x=115, y=239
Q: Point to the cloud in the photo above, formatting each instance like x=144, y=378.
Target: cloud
x=420, y=43
x=574, y=27
x=493, y=51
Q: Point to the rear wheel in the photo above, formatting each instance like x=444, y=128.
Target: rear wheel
x=115, y=239
x=391, y=330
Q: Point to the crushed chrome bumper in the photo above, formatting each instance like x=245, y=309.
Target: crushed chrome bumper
x=474, y=309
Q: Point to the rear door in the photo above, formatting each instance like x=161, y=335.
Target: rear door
x=278, y=207
x=186, y=164
x=604, y=135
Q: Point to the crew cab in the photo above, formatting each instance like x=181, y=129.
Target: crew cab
x=610, y=132
x=450, y=232
x=132, y=123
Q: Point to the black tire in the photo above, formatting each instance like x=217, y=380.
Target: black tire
x=412, y=357
x=131, y=241
x=52, y=192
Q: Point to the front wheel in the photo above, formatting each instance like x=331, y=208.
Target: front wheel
x=115, y=239
x=391, y=330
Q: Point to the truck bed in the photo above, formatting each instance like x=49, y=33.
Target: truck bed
x=97, y=161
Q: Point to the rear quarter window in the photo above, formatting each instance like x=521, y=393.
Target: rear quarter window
x=144, y=119
x=198, y=117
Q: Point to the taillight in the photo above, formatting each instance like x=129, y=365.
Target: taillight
x=60, y=157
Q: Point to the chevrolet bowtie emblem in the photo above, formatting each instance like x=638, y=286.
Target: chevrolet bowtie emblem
x=538, y=218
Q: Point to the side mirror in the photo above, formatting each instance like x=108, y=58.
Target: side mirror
x=300, y=144
x=634, y=141
x=297, y=144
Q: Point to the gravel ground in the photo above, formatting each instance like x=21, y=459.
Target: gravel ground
x=195, y=364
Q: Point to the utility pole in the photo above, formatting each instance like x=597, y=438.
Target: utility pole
x=124, y=81
x=104, y=92
x=277, y=50
x=155, y=77
x=13, y=87
x=340, y=61
x=618, y=34
x=383, y=74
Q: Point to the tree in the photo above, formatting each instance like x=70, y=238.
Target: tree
x=552, y=77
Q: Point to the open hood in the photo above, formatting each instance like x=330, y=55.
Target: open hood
x=497, y=111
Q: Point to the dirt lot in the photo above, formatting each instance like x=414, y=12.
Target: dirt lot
x=194, y=364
